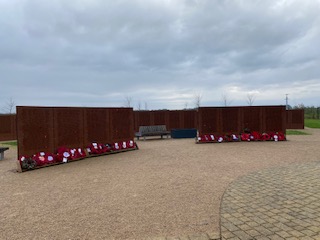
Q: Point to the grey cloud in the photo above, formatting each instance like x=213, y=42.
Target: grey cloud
x=93, y=47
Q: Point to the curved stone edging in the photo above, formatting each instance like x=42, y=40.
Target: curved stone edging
x=276, y=203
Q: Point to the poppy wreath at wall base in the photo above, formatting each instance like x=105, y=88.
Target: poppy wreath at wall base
x=243, y=137
x=65, y=155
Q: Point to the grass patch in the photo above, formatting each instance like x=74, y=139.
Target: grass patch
x=296, y=132
x=312, y=123
x=11, y=143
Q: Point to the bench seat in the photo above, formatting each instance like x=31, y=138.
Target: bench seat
x=2, y=149
x=157, y=130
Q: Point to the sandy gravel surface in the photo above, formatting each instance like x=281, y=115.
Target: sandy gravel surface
x=169, y=187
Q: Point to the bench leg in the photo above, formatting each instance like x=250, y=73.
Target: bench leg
x=1, y=155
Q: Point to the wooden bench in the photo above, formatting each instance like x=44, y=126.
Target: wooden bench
x=2, y=149
x=158, y=130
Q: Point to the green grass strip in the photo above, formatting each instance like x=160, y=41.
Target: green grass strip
x=11, y=143
x=296, y=132
x=312, y=123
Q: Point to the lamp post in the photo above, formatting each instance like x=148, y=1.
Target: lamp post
x=287, y=101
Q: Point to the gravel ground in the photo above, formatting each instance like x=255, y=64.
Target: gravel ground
x=170, y=187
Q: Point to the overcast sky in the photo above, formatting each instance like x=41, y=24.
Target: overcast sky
x=159, y=53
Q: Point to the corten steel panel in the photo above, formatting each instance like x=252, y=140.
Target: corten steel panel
x=34, y=130
x=230, y=119
x=68, y=127
x=143, y=118
x=295, y=119
x=252, y=119
x=5, y=124
x=298, y=117
x=14, y=126
x=209, y=120
x=161, y=117
x=275, y=118
x=121, y=124
x=289, y=119
x=189, y=119
x=262, y=119
x=8, y=127
x=136, y=121
x=174, y=120
x=96, y=125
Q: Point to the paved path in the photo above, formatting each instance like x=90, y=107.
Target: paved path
x=277, y=203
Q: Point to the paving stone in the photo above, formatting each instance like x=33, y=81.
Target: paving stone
x=242, y=235
x=292, y=238
x=227, y=235
x=245, y=227
x=284, y=234
x=275, y=237
x=316, y=237
x=264, y=231
x=230, y=226
x=261, y=238
x=308, y=238
x=315, y=229
x=213, y=235
x=253, y=233
x=308, y=232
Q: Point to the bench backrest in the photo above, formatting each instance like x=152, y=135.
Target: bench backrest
x=2, y=149
x=153, y=129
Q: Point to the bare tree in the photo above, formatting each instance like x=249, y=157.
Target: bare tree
x=299, y=106
x=250, y=98
x=9, y=106
x=225, y=100
x=128, y=101
x=197, y=100
x=186, y=105
x=139, y=106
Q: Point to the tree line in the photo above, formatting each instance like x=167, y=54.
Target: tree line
x=310, y=112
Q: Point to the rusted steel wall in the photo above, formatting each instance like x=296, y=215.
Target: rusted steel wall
x=295, y=119
x=252, y=118
x=209, y=120
x=230, y=119
x=179, y=119
x=189, y=118
x=121, y=124
x=160, y=117
x=35, y=130
x=175, y=121
x=95, y=121
x=68, y=127
x=141, y=118
x=275, y=119
x=48, y=128
x=8, y=127
x=223, y=120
